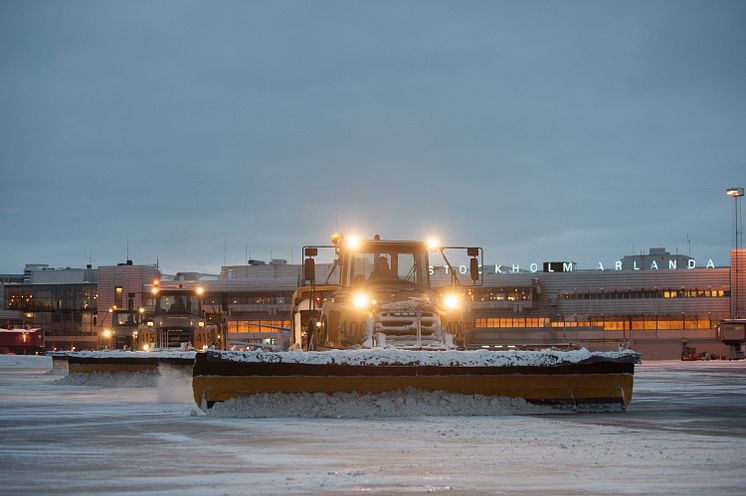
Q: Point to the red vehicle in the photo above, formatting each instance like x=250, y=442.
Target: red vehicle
x=689, y=354
x=22, y=341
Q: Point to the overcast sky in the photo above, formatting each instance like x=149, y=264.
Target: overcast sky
x=538, y=130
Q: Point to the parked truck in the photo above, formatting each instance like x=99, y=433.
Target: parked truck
x=179, y=321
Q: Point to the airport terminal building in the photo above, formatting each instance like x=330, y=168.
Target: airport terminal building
x=655, y=303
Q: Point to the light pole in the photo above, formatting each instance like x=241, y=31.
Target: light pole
x=735, y=290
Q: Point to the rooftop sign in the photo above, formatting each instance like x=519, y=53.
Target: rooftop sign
x=570, y=267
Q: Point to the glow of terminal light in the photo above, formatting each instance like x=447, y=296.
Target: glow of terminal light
x=432, y=244
x=154, y=290
x=200, y=290
x=107, y=333
x=734, y=191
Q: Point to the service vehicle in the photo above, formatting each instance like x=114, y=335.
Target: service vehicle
x=376, y=325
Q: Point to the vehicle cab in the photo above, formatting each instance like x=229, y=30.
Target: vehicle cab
x=385, y=299
x=124, y=324
x=178, y=321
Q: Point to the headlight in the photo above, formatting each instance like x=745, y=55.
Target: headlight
x=361, y=300
x=201, y=324
x=145, y=347
x=451, y=301
x=150, y=323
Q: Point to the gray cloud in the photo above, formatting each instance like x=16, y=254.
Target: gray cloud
x=539, y=130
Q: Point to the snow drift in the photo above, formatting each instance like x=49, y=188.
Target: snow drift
x=407, y=403
x=390, y=356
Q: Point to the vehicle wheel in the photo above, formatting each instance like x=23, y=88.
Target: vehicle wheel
x=321, y=334
x=353, y=337
x=312, y=336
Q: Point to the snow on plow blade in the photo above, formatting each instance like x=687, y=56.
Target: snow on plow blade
x=575, y=378
x=114, y=362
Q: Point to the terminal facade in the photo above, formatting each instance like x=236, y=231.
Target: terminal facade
x=655, y=303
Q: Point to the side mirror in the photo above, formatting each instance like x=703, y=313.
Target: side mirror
x=474, y=269
x=309, y=270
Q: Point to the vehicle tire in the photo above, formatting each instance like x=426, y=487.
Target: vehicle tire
x=311, y=336
x=321, y=334
x=352, y=334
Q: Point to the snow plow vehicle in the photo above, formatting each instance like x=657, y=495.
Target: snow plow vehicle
x=379, y=327
x=381, y=297
x=179, y=322
x=170, y=336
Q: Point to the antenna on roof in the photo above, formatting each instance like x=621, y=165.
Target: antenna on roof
x=688, y=245
x=225, y=251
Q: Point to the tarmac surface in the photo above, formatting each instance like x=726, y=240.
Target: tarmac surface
x=683, y=434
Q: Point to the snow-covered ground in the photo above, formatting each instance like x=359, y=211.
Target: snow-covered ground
x=683, y=434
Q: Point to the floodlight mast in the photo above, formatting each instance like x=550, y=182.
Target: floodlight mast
x=735, y=290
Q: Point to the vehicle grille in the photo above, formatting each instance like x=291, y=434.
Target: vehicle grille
x=405, y=323
x=173, y=338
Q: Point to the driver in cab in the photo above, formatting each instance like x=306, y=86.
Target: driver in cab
x=381, y=271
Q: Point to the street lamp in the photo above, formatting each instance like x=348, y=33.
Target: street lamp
x=735, y=290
